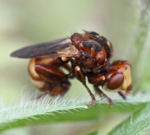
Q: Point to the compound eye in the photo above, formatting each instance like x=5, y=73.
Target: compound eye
x=115, y=81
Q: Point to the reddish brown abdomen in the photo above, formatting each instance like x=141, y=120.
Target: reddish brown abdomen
x=47, y=76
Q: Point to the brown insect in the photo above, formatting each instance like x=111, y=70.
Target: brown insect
x=85, y=57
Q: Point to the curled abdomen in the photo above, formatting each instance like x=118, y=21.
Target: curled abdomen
x=46, y=75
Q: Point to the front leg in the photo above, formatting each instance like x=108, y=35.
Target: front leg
x=102, y=94
x=101, y=80
x=97, y=81
x=78, y=73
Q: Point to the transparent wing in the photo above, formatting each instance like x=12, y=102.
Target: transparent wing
x=52, y=49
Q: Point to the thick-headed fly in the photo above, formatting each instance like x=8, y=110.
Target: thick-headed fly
x=86, y=57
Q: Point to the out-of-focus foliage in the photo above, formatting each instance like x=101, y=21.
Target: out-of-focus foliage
x=142, y=55
x=135, y=124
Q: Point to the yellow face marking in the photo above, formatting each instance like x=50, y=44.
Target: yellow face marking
x=126, y=70
x=127, y=78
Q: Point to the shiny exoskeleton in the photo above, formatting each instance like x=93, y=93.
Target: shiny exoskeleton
x=83, y=56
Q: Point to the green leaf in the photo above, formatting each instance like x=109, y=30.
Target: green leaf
x=135, y=124
x=93, y=133
x=63, y=110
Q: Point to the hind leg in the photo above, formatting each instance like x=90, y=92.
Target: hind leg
x=55, y=81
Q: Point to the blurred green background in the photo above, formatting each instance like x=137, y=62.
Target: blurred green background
x=24, y=22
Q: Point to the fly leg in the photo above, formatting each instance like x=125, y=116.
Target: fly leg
x=99, y=81
x=55, y=81
x=102, y=94
x=81, y=78
x=122, y=95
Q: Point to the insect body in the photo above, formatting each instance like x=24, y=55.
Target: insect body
x=83, y=56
